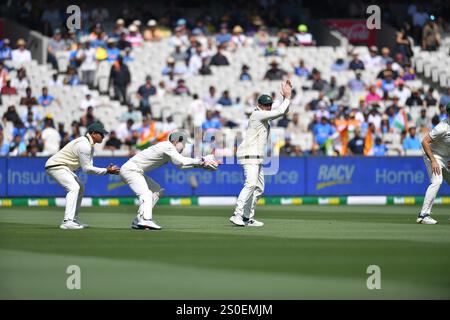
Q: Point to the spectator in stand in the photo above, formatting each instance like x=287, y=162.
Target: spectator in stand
x=287, y=150
x=404, y=45
x=303, y=37
x=219, y=59
x=20, y=82
x=179, y=55
x=274, y=72
x=112, y=51
x=270, y=50
x=5, y=50
x=379, y=149
x=119, y=28
x=373, y=60
x=283, y=122
x=195, y=61
x=125, y=133
x=388, y=70
x=301, y=70
x=356, y=84
x=11, y=115
x=17, y=148
x=55, y=81
x=385, y=55
x=210, y=99
x=21, y=56
x=423, y=123
x=431, y=37
x=72, y=78
x=8, y=90
x=224, y=36
x=245, y=75
x=412, y=142
x=55, y=44
x=295, y=127
x=134, y=37
x=4, y=146
x=87, y=102
x=238, y=39
x=88, y=64
x=123, y=43
x=152, y=32
x=356, y=145
x=408, y=72
x=45, y=99
x=50, y=138
x=181, y=88
x=88, y=118
x=322, y=111
x=322, y=132
x=28, y=99
x=113, y=143
x=120, y=79
x=339, y=65
x=318, y=83
x=143, y=94
x=414, y=99
x=225, y=99
x=131, y=114
x=402, y=92
x=445, y=98
x=443, y=114
x=211, y=122
x=387, y=84
x=178, y=69
x=356, y=63
x=4, y=74
x=429, y=97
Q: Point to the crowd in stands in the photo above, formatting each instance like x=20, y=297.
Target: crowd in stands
x=387, y=107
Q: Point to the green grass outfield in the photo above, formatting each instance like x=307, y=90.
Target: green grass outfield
x=303, y=252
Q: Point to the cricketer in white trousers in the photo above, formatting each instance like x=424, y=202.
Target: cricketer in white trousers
x=146, y=189
x=440, y=146
x=61, y=166
x=250, y=155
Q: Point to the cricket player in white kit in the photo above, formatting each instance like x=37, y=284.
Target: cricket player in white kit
x=61, y=166
x=436, y=146
x=145, y=188
x=250, y=155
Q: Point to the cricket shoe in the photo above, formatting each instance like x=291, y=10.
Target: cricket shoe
x=425, y=219
x=85, y=225
x=146, y=225
x=253, y=223
x=236, y=219
x=70, y=224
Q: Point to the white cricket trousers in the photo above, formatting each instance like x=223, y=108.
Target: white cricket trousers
x=436, y=181
x=74, y=187
x=143, y=186
x=252, y=190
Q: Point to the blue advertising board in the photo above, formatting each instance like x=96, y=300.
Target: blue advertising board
x=313, y=176
x=368, y=176
x=3, y=179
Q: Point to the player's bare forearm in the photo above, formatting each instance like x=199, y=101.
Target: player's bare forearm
x=426, y=144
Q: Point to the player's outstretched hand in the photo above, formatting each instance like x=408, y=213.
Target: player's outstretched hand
x=210, y=163
x=286, y=89
x=112, y=169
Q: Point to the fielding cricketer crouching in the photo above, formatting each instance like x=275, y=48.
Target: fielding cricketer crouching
x=145, y=188
x=436, y=147
x=251, y=154
x=61, y=166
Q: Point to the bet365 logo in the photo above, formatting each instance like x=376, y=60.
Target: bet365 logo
x=374, y=20
x=73, y=21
